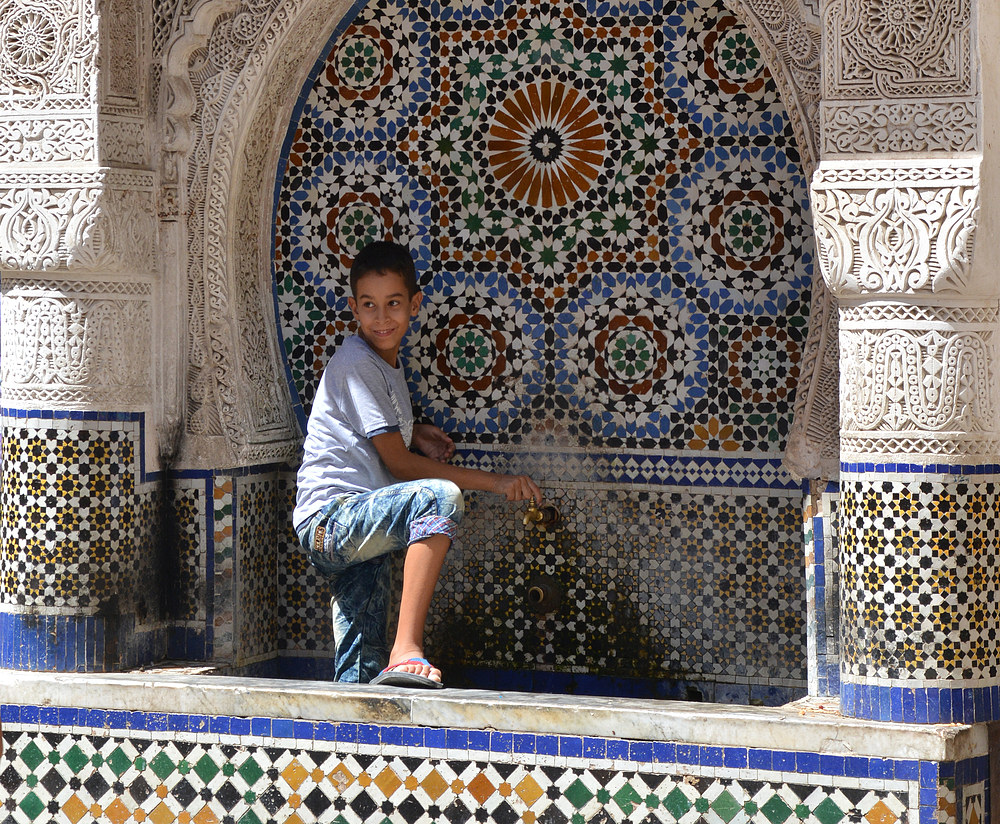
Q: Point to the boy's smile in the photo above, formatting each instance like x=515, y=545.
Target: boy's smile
x=383, y=308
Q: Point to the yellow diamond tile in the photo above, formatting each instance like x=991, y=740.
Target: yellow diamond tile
x=183, y=817
x=117, y=812
x=881, y=814
x=295, y=801
x=972, y=815
x=74, y=809
x=457, y=786
x=341, y=778
x=481, y=788
x=528, y=790
x=294, y=774
x=206, y=816
x=411, y=782
x=162, y=814
x=505, y=789
x=387, y=781
x=96, y=810
x=316, y=775
x=528, y=817
x=293, y=819
x=365, y=780
x=434, y=785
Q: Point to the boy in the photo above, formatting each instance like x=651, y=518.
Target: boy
x=363, y=494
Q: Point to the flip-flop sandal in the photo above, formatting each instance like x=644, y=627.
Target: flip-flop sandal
x=390, y=677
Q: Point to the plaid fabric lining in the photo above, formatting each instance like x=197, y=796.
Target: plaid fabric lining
x=432, y=525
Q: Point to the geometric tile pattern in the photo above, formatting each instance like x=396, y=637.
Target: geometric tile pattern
x=70, y=512
x=189, y=522
x=224, y=604
x=361, y=774
x=605, y=208
x=645, y=585
x=257, y=556
x=920, y=579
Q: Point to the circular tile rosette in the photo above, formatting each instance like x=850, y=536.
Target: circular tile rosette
x=546, y=144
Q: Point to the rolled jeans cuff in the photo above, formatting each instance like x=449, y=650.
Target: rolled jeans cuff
x=432, y=525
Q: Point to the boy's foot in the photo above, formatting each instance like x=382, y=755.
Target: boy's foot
x=413, y=672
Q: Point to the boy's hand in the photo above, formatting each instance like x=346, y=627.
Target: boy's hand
x=517, y=488
x=433, y=442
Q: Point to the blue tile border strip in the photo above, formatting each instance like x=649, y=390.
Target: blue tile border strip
x=920, y=469
x=920, y=705
x=927, y=773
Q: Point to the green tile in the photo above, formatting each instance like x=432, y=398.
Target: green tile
x=206, y=768
x=776, y=810
x=628, y=799
x=702, y=805
x=32, y=756
x=76, y=760
x=577, y=794
x=726, y=807
x=119, y=762
x=677, y=803
x=162, y=765
x=250, y=771
x=802, y=811
x=31, y=805
x=249, y=817
x=828, y=812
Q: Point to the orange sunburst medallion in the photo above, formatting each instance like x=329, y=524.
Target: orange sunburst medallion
x=546, y=144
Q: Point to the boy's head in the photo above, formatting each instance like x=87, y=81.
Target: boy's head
x=384, y=296
x=384, y=257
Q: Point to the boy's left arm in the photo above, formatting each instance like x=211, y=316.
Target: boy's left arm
x=433, y=442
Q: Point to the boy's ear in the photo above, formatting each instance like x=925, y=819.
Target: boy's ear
x=353, y=304
x=415, y=302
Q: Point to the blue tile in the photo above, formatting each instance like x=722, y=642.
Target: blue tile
x=664, y=752
x=688, y=754
x=326, y=731
x=856, y=766
x=501, y=742
x=524, y=742
x=304, y=730
x=155, y=721
x=806, y=762
x=10, y=714
x=784, y=761
x=436, y=738
x=413, y=737
x=479, y=740
x=570, y=747
x=928, y=796
x=933, y=706
x=907, y=770
x=928, y=774
x=909, y=711
x=594, y=748
x=117, y=719
x=547, y=745
x=710, y=756
x=641, y=751
x=831, y=764
x=758, y=759
x=239, y=726
x=881, y=768
x=49, y=715
x=929, y=815
x=457, y=739
x=618, y=749
x=177, y=722
x=70, y=716
x=282, y=727
x=260, y=726
x=219, y=724
x=944, y=703
x=369, y=734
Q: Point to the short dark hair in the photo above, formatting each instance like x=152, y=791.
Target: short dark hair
x=383, y=257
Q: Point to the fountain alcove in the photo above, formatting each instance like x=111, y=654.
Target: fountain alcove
x=611, y=231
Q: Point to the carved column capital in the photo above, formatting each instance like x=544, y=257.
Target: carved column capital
x=896, y=227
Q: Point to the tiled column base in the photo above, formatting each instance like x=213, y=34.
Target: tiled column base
x=77, y=556
x=920, y=590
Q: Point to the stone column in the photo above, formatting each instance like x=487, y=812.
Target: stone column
x=77, y=260
x=896, y=200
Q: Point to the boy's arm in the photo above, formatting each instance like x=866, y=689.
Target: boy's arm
x=409, y=466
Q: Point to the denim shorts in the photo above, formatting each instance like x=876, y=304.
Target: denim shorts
x=349, y=542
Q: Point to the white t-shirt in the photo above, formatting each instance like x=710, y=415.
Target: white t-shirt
x=359, y=396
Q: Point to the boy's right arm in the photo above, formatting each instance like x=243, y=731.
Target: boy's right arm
x=408, y=466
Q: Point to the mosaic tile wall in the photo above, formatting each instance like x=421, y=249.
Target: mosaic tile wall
x=823, y=588
x=97, y=765
x=920, y=591
x=79, y=566
x=612, y=236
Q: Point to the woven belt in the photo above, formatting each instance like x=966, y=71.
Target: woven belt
x=318, y=537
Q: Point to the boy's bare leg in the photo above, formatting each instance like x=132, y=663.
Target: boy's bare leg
x=421, y=570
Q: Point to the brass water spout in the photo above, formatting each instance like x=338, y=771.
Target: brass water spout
x=544, y=516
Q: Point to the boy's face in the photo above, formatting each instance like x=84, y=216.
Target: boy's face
x=383, y=309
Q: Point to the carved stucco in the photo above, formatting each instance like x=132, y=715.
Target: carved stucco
x=231, y=73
